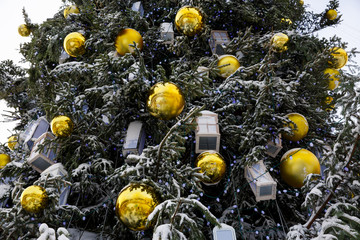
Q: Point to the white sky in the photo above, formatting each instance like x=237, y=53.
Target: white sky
x=40, y=10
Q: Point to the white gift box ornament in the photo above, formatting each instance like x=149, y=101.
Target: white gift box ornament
x=207, y=132
x=135, y=139
x=218, y=39
x=225, y=232
x=138, y=7
x=34, y=131
x=274, y=146
x=167, y=32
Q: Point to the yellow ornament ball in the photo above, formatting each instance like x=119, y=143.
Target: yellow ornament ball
x=4, y=159
x=301, y=2
x=12, y=142
x=127, y=37
x=227, y=65
x=327, y=104
x=71, y=9
x=300, y=130
x=23, y=30
x=135, y=203
x=74, y=44
x=165, y=101
x=333, y=76
x=189, y=20
x=296, y=164
x=212, y=165
x=340, y=57
x=279, y=42
x=62, y=126
x=331, y=14
x=34, y=199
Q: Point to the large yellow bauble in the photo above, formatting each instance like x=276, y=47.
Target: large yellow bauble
x=212, y=165
x=74, y=44
x=62, y=126
x=165, y=101
x=333, y=78
x=300, y=130
x=127, y=37
x=135, y=203
x=340, y=57
x=23, y=30
x=34, y=199
x=279, y=42
x=12, y=142
x=189, y=20
x=4, y=159
x=331, y=14
x=296, y=164
x=71, y=9
x=229, y=65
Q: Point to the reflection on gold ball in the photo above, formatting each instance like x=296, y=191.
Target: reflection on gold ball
x=287, y=20
x=62, y=126
x=135, y=203
x=340, y=57
x=212, y=165
x=4, y=159
x=71, y=9
x=331, y=14
x=12, y=142
x=23, y=30
x=127, y=37
x=279, y=42
x=165, y=100
x=231, y=65
x=300, y=130
x=74, y=44
x=296, y=164
x=189, y=20
x=333, y=76
x=34, y=199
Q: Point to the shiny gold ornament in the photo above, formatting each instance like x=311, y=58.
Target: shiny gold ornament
x=135, y=203
x=326, y=104
x=287, y=20
x=231, y=65
x=4, y=159
x=331, y=14
x=74, y=44
x=127, y=37
x=296, y=164
x=62, y=126
x=300, y=130
x=279, y=42
x=12, y=142
x=212, y=165
x=333, y=78
x=189, y=20
x=165, y=101
x=34, y=199
x=71, y=9
x=23, y=30
x=301, y=2
x=340, y=57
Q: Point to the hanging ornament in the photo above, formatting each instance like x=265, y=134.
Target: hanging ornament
x=165, y=101
x=34, y=199
x=300, y=130
x=12, y=142
x=135, y=203
x=301, y=2
x=296, y=164
x=333, y=78
x=189, y=20
x=327, y=104
x=4, y=159
x=127, y=37
x=331, y=14
x=231, y=65
x=287, y=20
x=212, y=165
x=62, y=126
x=340, y=57
x=23, y=30
x=74, y=44
x=279, y=41
x=71, y=9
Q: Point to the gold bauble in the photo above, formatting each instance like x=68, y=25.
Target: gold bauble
x=34, y=199
x=340, y=57
x=74, y=44
x=189, y=20
x=287, y=20
x=326, y=104
x=4, y=159
x=23, y=30
x=62, y=126
x=127, y=37
x=301, y=2
x=300, y=130
x=135, y=203
x=12, y=142
x=279, y=42
x=333, y=78
x=212, y=165
x=165, y=101
x=331, y=14
x=296, y=164
x=231, y=65
x=71, y=9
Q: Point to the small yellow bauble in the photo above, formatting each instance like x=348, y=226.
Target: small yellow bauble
x=287, y=20
x=23, y=30
x=331, y=14
x=4, y=159
x=74, y=44
x=296, y=164
x=333, y=76
x=165, y=101
x=189, y=20
x=127, y=37
x=340, y=57
x=12, y=142
x=300, y=130
x=301, y=2
x=135, y=203
x=326, y=104
x=34, y=199
x=231, y=65
x=71, y=9
x=279, y=42
x=212, y=165
x=62, y=126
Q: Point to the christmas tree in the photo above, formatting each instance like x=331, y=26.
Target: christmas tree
x=181, y=120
